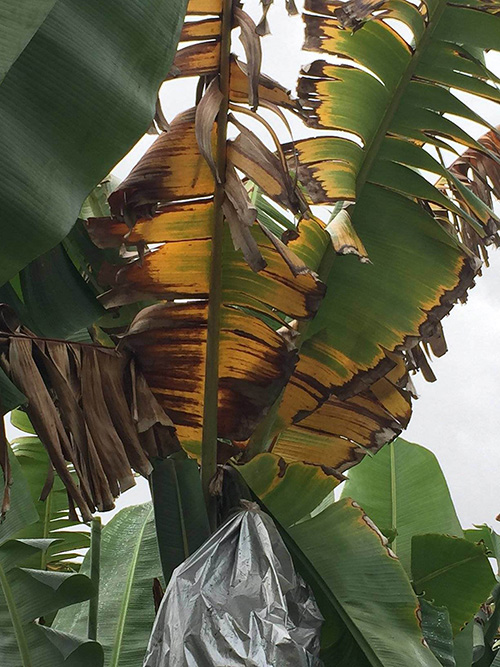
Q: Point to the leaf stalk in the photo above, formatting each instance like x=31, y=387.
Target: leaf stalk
x=210, y=404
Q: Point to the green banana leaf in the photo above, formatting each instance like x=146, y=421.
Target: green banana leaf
x=451, y=572
x=59, y=301
x=129, y=563
x=79, y=94
x=53, y=520
x=341, y=553
x=55, y=294
x=403, y=490
x=463, y=646
x=27, y=595
x=19, y=24
x=179, y=508
x=437, y=632
x=53, y=299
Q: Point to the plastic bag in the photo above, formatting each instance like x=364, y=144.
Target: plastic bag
x=237, y=602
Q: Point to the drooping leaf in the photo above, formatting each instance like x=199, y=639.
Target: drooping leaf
x=92, y=408
x=341, y=553
x=26, y=595
x=77, y=97
x=129, y=563
x=451, y=572
x=255, y=360
x=414, y=232
x=243, y=283
x=403, y=489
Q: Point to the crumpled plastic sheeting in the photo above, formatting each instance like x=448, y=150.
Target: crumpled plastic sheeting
x=237, y=602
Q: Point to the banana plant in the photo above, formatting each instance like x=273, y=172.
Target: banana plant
x=267, y=329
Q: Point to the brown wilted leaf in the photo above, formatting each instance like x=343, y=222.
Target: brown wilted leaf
x=251, y=44
x=91, y=409
x=294, y=263
x=269, y=90
x=199, y=59
x=250, y=155
x=344, y=238
x=206, y=113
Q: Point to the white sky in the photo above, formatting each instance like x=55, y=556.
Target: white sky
x=458, y=417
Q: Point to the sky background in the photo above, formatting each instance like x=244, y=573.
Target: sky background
x=457, y=417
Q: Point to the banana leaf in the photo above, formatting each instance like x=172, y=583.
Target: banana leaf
x=18, y=27
x=403, y=490
x=10, y=395
x=179, y=508
x=386, y=97
x=437, y=632
x=451, y=572
x=80, y=89
x=130, y=562
x=487, y=536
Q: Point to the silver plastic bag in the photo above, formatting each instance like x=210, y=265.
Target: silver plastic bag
x=237, y=602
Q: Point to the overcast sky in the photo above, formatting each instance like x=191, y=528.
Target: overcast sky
x=457, y=417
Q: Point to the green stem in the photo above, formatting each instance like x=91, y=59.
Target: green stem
x=95, y=575
x=394, y=517
x=210, y=406
x=22, y=642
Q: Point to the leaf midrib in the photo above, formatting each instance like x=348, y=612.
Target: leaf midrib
x=17, y=625
x=120, y=630
x=374, y=146
x=442, y=570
